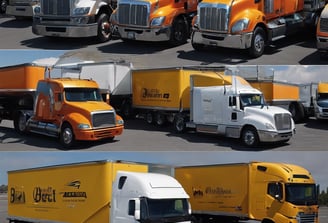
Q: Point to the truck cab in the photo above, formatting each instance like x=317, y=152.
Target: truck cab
x=321, y=101
x=72, y=109
x=238, y=110
x=148, y=197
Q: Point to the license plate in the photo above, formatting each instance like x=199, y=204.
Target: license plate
x=131, y=35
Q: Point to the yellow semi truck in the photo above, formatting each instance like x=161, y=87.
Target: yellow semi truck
x=68, y=108
x=264, y=191
x=93, y=192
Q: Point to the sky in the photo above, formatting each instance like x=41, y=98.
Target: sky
x=314, y=162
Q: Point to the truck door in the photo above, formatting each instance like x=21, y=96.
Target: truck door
x=273, y=204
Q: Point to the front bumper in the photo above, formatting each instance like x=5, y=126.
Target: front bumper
x=19, y=11
x=268, y=136
x=240, y=41
x=98, y=134
x=64, y=30
x=322, y=43
x=145, y=34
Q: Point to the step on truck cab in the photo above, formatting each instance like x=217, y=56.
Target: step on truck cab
x=251, y=24
x=263, y=191
x=154, y=20
x=95, y=191
x=68, y=108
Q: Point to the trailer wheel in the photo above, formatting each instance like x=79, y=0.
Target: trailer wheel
x=249, y=137
x=149, y=118
x=258, y=43
x=180, y=32
x=104, y=28
x=179, y=123
x=160, y=119
x=20, y=123
x=67, y=138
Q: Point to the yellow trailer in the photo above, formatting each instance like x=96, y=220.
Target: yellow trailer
x=161, y=93
x=268, y=192
x=94, y=192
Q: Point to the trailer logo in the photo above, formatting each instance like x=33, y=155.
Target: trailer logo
x=74, y=194
x=197, y=192
x=154, y=93
x=45, y=195
x=17, y=196
x=75, y=184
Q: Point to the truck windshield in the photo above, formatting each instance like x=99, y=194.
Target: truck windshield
x=301, y=194
x=82, y=94
x=251, y=100
x=164, y=210
x=322, y=100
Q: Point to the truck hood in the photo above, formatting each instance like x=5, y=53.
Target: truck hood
x=324, y=13
x=88, y=107
x=268, y=111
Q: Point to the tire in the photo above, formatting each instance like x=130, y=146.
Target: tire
x=67, y=138
x=149, y=118
x=196, y=46
x=104, y=28
x=160, y=119
x=3, y=6
x=179, y=124
x=258, y=43
x=297, y=112
x=180, y=32
x=249, y=137
x=20, y=121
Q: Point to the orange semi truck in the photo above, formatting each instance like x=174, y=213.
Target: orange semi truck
x=251, y=24
x=154, y=20
x=69, y=108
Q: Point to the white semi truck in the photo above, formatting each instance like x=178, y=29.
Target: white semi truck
x=231, y=107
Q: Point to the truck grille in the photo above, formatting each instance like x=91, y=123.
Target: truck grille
x=324, y=24
x=283, y=121
x=55, y=7
x=213, y=17
x=103, y=119
x=306, y=218
x=138, y=13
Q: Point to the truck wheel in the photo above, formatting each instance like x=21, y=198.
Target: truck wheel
x=180, y=32
x=258, y=43
x=104, y=28
x=250, y=137
x=67, y=136
x=179, y=124
x=196, y=46
x=20, y=123
x=297, y=112
x=149, y=118
x=160, y=119
x=3, y=6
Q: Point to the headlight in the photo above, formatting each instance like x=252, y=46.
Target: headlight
x=80, y=20
x=81, y=11
x=37, y=10
x=239, y=26
x=269, y=126
x=157, y=21
x=83, y=126
x=120, y=122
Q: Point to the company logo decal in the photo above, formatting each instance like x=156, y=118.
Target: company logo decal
x=198, y=192
x=154, y=94
x=17, y=196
